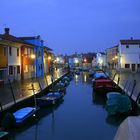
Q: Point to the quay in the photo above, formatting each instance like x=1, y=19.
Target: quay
x=21, y=92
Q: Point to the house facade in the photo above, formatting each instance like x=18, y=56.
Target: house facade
x=11, y=61
x=112, y=57
x=129, y=55
x=101, y=59
x=39, y=53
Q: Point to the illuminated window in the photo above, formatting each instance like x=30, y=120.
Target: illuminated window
x=26, y=68
x=25, y=51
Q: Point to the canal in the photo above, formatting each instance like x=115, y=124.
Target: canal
x=80, y=116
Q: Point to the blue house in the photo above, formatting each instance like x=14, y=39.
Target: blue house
x=39, y=53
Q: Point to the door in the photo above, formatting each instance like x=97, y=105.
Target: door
x=133, y=67
x=15, y=75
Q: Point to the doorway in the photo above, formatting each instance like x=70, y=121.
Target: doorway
x=133, y=67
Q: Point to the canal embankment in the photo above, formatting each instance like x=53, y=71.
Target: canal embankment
x=12, y=98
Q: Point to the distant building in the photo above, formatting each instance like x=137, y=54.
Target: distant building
x=112, y=57
x=101, y=59
x=125, y=55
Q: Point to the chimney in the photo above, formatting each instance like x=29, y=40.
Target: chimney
x=7, y=31
x=131, y=38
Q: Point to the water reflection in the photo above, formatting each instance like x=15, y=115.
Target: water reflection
x=99, y=99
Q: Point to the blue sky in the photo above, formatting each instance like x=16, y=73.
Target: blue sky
x=69, y=26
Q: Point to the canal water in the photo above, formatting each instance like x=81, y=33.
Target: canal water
x=80, y=116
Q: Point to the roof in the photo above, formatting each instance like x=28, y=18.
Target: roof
x=49, y=49
x=13, y=39
x=130, y=42
x=29, y=37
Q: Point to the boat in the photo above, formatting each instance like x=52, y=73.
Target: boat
x=49, y=99
x=24, y=114
x=105, y=85
x=118, y=103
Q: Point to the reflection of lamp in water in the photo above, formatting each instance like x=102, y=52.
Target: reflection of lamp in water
x=76, y=78
x=85, y=77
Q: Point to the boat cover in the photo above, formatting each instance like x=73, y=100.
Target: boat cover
x=20, y=114
x=129, y=129
x=117, y=103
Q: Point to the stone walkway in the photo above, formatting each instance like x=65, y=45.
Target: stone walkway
x=22, y=89
x=126, y=81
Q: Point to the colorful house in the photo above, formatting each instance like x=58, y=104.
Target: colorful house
x=47, y=59
x=39, y=53
x=11, y=64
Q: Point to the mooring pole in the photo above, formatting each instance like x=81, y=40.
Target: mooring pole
x=34, y=95
x=134, y=84
x=12, y=91
x=39, y=84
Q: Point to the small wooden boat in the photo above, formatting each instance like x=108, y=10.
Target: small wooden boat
x=24, y=114
x=105, y=85
x=49, y=99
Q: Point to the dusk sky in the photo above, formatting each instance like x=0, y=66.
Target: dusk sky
x=69, y=26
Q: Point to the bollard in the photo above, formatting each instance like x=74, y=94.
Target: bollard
x=12, y=91
x=34, y=95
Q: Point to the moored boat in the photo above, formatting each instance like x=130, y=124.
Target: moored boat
x=50, y=99
x=24, y=114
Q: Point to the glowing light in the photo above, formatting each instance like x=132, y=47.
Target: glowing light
x=76, y=60
x=85, y=60
x=33, y=56
x=116, y=57
x=49, y=58
x=85, y=78
x=57, y=59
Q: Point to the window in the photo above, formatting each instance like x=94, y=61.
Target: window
x=138, y=66
x=26, y=68
x=10, y=51
x=25, y=51
x=127, y=46
x=18, y=52
x=127, y=65
x=10, y=70
x=18, y=69
x=5, y=51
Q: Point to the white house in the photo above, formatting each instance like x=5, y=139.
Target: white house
x=129, y=55
x=100, y=59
